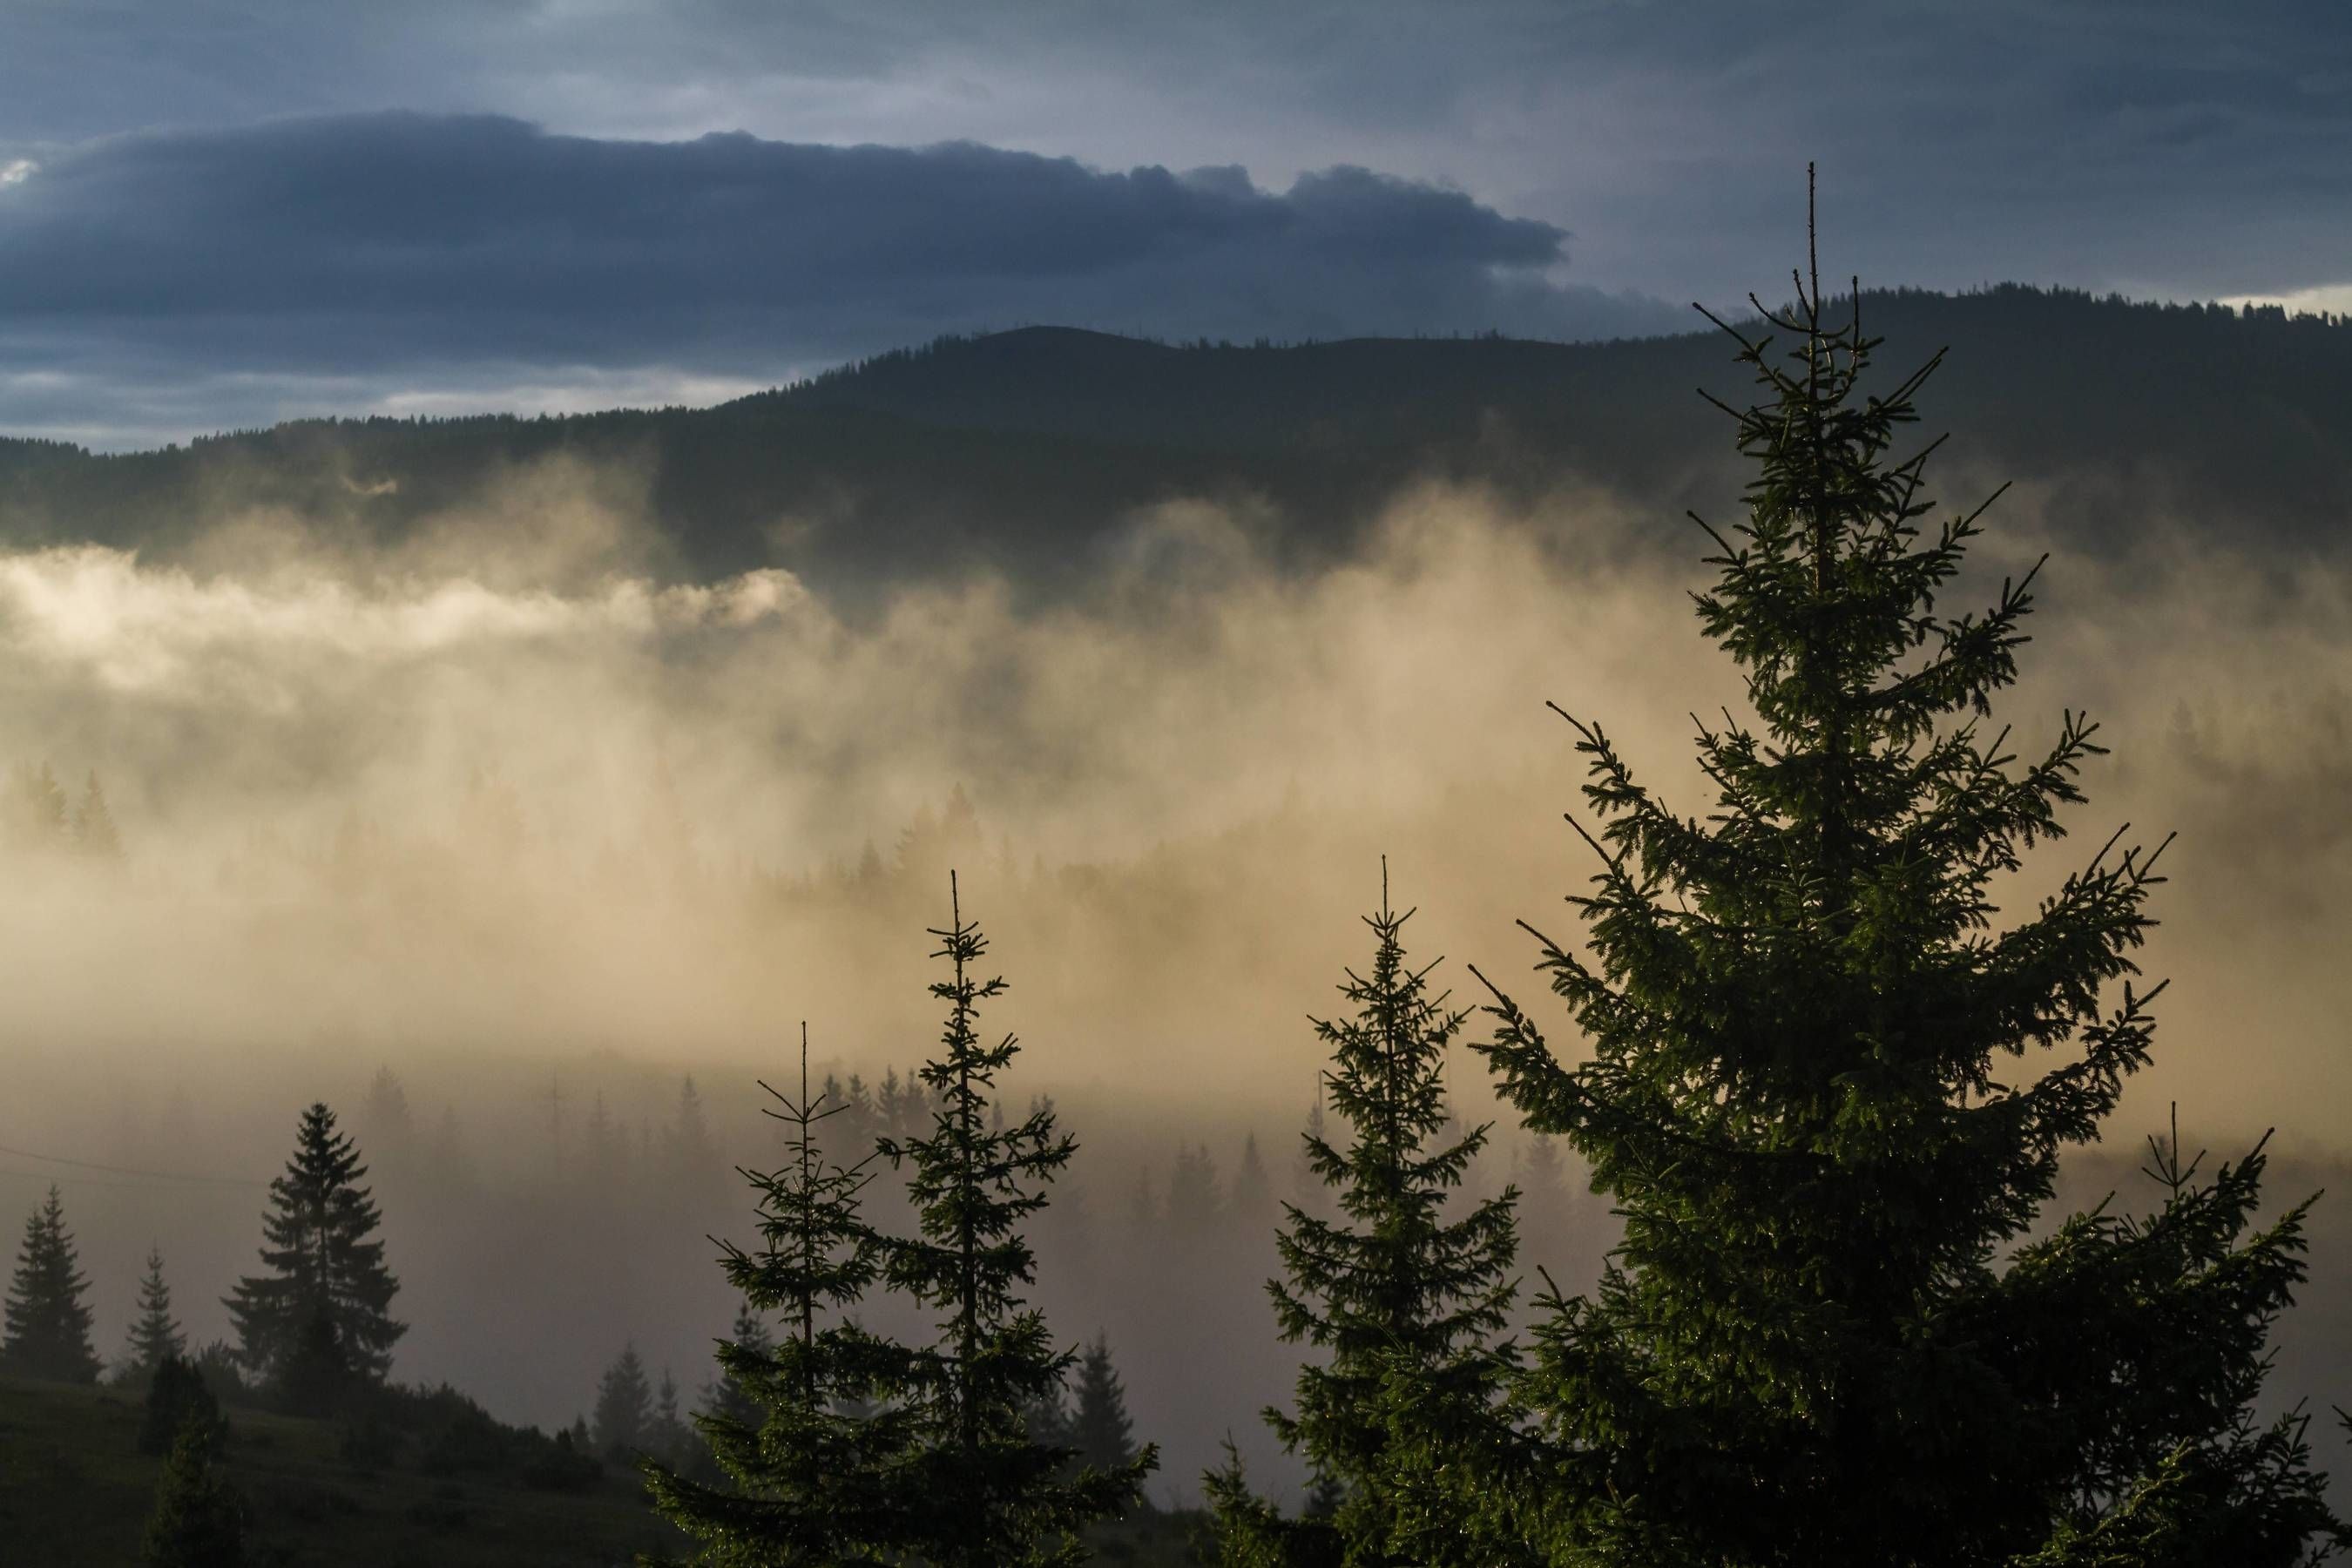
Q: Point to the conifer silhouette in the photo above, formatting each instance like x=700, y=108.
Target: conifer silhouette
x=977, y=1488
x=788, y=1421
x=319, y=1319
x=47, y=1315
x=1407, y=1306
x=1101, y=1429
x=624, y=1406
x=1811, y=1082
x=155, y=1335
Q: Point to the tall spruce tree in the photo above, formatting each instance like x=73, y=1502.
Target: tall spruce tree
x=48, y=1316
x=977, y=1488
x=155, y=1335
x=319, y=1319
x=788, y=1422
x=1407, y=1307
x=624, y=1406
x=1811, y=1085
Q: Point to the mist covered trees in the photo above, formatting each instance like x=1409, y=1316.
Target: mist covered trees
x=155, y=1335
x=985, y=1492
x=1101, y=1429
x=872, y=1449
x=1814, y=1083
x=808, y=1465
x=624, y=1406
x=47, y=1313
x=1407, y=1305
x=318, y=1323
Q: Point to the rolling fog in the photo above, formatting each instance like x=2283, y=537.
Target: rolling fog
x=511, y=815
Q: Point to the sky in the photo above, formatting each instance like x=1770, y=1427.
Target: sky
x=219, y=213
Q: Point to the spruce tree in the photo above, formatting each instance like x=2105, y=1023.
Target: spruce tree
x=94, y=832
x=1101, y=1429
x=319, y=1319
x=176, y=1396
x=668, y=1439
x=726, y=1395
x=979, y=1492
x=48, y=1316
x=624, y=1406
x=1406, y=1306
x=788, y=1422
x=199, y=1521
x=155, y=1335
x=1813, y=1080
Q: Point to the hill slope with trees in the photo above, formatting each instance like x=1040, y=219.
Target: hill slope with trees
x=1021, y=450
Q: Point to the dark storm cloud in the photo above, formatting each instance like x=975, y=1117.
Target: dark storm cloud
x=398, y=241
x=2176, y=146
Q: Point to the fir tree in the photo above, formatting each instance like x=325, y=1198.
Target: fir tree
x=976, y=1488
x=1810, y=1084
x=177, y=1396
x=48, y=1317
x=787, y=1422
x=199, y=1521
x=1308, y=1193
x=1194, y=1204
x=668, y=1439
x=624, y=1406
x=94, y=832
x=726, y=1395
x=1405, y=1306
x=1253, y=1197
x=1099, y=1427
x=39, y=817
x=385, y=1114
x=320, y=1318
x=693, y=1156
x=155, y=1335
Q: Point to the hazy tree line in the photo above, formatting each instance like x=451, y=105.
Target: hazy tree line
x=1838, y=1327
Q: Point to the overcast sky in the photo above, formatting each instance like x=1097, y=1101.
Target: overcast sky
x=216, y=213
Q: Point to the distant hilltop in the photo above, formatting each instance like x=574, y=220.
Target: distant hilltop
x=1020, y=450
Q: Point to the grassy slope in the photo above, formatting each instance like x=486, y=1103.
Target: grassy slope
x=74, y=1489
x=75, y=1492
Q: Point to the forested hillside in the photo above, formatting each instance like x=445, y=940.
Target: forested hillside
x=1021, y=450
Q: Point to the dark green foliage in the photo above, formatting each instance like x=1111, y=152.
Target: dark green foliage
x=624, y=1407
x=176, y=1399
x=1813, y=1086
x=48, y=1316
x=1389, y=1289
x=787, y=1422
x=75, y=1493
x=199, y=1521
x=155, y=1335
x=318, y=1325
x=973, y=1486
x=1099, y=1428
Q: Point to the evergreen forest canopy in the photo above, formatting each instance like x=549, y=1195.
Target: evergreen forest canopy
x=1805, y=1042
x=1017, y=451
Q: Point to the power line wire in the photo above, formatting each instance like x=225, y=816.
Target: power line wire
x=130, y=1171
